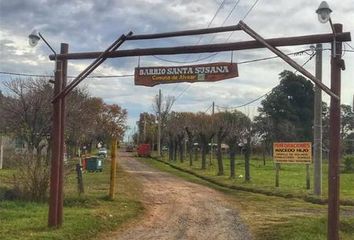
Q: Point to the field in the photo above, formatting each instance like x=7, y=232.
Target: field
x=275, y=218
x=85, y=216
x=292, y=177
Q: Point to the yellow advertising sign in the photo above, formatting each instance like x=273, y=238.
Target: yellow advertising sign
x=292, y=152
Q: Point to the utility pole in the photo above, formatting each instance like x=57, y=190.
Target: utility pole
x=56, y=141
x=159, y=126
x=144, y=128
x=113, y=168
x=1, y=151
x=212, y=140
x=317, y=130
x=337, y=64
x=64, y=48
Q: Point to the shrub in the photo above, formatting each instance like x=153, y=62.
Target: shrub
x=349, y=163
x=31, y=179
x=10, y=157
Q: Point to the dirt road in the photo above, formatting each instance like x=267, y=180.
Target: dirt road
x=177, y=209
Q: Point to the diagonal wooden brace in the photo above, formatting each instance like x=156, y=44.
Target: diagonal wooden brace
x=287, y=59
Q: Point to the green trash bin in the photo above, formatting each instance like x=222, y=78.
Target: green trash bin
x=94, y=164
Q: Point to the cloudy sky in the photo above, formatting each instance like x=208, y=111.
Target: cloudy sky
x=92, y=25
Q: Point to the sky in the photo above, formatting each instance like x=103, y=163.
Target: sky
x=91, y=25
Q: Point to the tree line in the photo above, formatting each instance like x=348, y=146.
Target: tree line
x=286, y=114
x=26, y=116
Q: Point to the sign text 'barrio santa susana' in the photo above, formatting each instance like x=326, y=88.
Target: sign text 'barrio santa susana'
x=151, y=76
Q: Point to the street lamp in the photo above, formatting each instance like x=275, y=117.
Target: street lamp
x=324, y=15
x=337, y=64
x=323, y=12
x=55, y=213
x=34, y=38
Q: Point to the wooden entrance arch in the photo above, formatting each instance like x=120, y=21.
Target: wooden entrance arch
x=55, y=217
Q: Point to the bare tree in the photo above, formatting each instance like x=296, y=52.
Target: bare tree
x=190, y=127
x=27, y=111
x=205, y=133
x=237, y=123
x=222, y=129
x=162, y=107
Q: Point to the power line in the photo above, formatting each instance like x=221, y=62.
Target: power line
x=131, y=75
x=181, y=62
x=254, y=100
x=349, y=45
x=314, y=54
x=250, y=10
x=184, y=90
x=208, y=108
x=245, y=104
x=232, y=10
x=216, y=13
x=48, y=76
x=274, y=57
x=200, y=38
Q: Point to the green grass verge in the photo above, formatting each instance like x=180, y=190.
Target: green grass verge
x=85, y=216
x=271, y=217
x=292, y=179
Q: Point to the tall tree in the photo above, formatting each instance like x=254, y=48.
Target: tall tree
x=290, y=108
x=147, y=128
x=347, y=120
x=113, y=120
x=238, y=125
x=205, y=133
x=162, y=106
x=27, y=111
x=191, y=135
x=222, y=129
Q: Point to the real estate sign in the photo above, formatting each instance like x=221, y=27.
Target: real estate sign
x=151, y=76
x=292, y=152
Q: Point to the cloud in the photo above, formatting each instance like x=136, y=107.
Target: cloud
x=89, y=25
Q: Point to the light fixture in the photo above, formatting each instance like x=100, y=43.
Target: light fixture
x=33, y=38
x=323, y=12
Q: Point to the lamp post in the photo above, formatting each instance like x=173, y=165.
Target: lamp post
x=337, y=64
x=55, y=213
x=34, y=38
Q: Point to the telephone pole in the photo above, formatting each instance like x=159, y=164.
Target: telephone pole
x=159, y=126
x=1, y=151
x=212, y=140
x=144, y=128
x=317, y=133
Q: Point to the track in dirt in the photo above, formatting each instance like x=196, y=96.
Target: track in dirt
x=177, y=209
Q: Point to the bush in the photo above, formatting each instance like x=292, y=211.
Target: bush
x=10, y=157
x=31, y=179
x=349, y=163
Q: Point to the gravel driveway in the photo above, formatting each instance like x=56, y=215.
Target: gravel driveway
x=177, y=209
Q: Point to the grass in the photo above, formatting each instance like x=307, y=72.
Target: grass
x=85, y=216
x=273, y=218
x=292, y=177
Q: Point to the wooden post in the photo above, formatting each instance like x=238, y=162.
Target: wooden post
x=159, y=126
x=308, y=176
x=63, y=49
x=277, y=170
x=317, y=128
x=1, y=151
x=334, y=130
x=56, y=141
x=113, y=168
